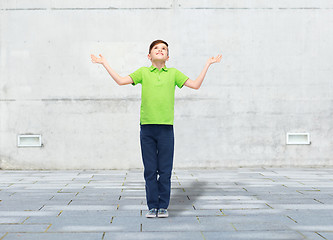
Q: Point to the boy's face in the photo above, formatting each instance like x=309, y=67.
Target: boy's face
x=159, y=53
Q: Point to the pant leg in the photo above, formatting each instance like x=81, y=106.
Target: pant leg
x=149, y=158
x=165, y=147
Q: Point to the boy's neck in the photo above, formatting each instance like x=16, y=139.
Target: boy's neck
x=158, y=64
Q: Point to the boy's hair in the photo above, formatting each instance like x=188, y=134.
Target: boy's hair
x=157, y=42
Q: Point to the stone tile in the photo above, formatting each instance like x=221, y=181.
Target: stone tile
x=261, y=226
x=252, y=212
x=78, y=207
x=16, y=213
x=11, y=220
x=314, y=227
x=133, y=207
x=231, y=206
x=319, y=217
x=54, y=236
x=212, y=223
x=182, y=224
x=300, y=206
x=255, y=235
x=86, y=228
x=194, y=213
x=152, y=235
x=23, y=228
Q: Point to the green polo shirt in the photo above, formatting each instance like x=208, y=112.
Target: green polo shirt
x=158, y=93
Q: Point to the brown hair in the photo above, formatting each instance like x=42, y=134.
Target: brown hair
x=157, y=42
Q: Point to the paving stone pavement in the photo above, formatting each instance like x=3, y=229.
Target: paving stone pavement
x=238, y=203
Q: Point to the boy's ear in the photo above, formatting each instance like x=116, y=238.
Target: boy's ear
x=149, y=57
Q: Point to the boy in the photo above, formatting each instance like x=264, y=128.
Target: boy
x=156, y=119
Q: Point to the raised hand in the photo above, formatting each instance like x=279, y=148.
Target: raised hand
x=95, y=59
x=215, y=59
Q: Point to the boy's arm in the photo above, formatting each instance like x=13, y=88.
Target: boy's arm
x=118, y=79
x=195, y=84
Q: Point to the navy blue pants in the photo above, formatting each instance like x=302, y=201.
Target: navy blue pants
x=157, y=147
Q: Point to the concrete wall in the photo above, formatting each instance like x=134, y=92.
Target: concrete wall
x=275, y=77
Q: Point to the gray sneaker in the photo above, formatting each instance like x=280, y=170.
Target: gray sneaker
x=162, y=213
x=152, y=213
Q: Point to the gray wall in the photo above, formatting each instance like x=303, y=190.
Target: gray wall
x=275, y=77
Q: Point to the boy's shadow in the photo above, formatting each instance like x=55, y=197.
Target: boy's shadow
x=183, y=197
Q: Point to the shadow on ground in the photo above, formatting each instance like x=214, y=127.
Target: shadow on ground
x=184, y=196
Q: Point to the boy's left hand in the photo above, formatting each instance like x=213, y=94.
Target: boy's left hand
x=214, y=59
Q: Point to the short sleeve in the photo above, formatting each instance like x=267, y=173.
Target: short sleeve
x=180, y=78
x=136, y=76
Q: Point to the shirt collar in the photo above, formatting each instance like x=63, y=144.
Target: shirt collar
x=152, y=68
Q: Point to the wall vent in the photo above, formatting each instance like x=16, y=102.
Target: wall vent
x=29, y=140
x=298, y=138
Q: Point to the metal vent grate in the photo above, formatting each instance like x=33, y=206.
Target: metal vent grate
x=298, y=138
x=29, y=141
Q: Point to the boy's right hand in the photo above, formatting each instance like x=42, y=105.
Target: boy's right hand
x=95, y=59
